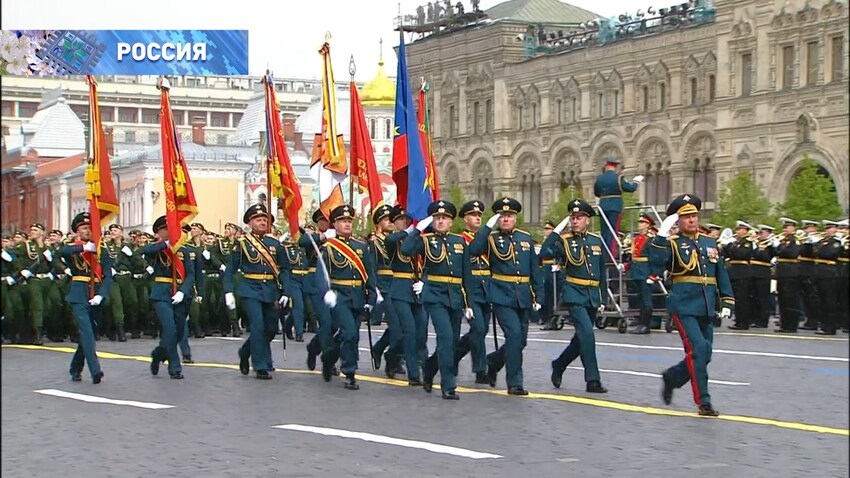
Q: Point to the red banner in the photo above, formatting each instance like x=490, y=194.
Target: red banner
x=364, y=171
x=424, y=121
x=282, y=180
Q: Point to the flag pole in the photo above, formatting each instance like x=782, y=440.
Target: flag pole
x=269, y=153
x=352, y=69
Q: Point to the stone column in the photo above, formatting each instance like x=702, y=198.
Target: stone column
x=147, y=202
x=64, y=206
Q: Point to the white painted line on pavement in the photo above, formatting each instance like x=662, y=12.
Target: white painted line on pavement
x=432, y=447
x=93, y=399
x=657, y=375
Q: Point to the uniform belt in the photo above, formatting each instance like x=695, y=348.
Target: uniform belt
x=610, y=196
x=42, y=276
x=167, y=280
x=827, y=262
x=695, y=280
x=121, y=273
x=385, y=272
x=583, y=282
x=787, y=261
x=549, y=262
x=844, y=259
x=445, y=279
x=640, y=259
x=347, y=282
x=806, y=259
x=83, y=279
x=213, y=275
x=138, y=276
x=740, y=263
x=514, y=279
x=480, y=272
x=760, y=263
x=259, y=276
x=311, y=269
x=403, y=275
x=300, y=272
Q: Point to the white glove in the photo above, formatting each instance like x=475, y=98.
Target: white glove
x=535, y=306
x=90, y=247
x=167, y=245
x=621, y=267
x=755, y=246
x=667, y=224
x=425, y=223
x=330, y=234
x=813, y=240
x=725, y=313
x=417, y=287
x=96, y=300
x=493, y=220
x=149, y=269
x=638, y=178
x=556, y=267
x=468, y=314
x=562, y=225
x=48, y=255
x=52, y=277
x=330, y=299
x=177, y=298
x=230, y=301
x=222, y=268
x=127, y=252
x=773, y=261
x=379, y=297
x=113, y=272
x=283, y=301
x=726, y=242
x=775, y=242
x=601, y=309
x=26, y=273
x=206, y=254
x=67, y=272
x=199, y=299
x=650, y=281
x=6, y=256
x=367, y=308
x=10, y=280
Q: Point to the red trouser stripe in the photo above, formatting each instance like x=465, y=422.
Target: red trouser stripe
x=689, y=358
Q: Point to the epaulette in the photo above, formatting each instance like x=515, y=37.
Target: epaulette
x=567, y=235
x=594, y=234
x=673, y=236
x=357, y=240
x=520, y=230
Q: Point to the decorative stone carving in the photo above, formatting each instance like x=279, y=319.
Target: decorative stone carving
x=743, y=29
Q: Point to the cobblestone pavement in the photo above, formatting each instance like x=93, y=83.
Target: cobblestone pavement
x=783, y=403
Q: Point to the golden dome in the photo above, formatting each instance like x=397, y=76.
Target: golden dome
x=380, y=90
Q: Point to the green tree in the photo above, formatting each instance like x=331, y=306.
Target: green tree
x=811, y=195
x=742, y=199
x=456, y=198
x=558, y=210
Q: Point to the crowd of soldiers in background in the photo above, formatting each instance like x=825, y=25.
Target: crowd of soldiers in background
x=804, y=273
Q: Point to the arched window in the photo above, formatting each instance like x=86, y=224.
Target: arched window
x=645, y=99
x=705, y=180
x=373, y=127
x=388, y=128
x=662, y=96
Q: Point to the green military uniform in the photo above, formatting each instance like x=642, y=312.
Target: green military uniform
x=123, y=301
x=36, y=267
x=60, y=320
x=213, y=315
x=140, y=282
x=13, y=306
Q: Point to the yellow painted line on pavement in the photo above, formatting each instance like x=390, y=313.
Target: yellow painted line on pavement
x=595, y=402
x=782, y=336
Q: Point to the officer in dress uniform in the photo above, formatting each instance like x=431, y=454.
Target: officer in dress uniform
x=548, y=267
x=738, y=252
x=392, y=340
x=294, y=285
x=844, y=274
x=86, y=299
x=261, y=289
x=514, y=285
x=827, y=251
x=713, y=230
x=168, y=293
x=445, y=265
x=609, y=188
x=60, y=321
x=760, y=268
x=122, y=299
x=352, y=278
x=583, y=291
x=639, y=271
x=405, y=291
x=699, y=274
x=808, y=277
x=191, y=301
x=787, y=278
x=314, y=284
x=477, y=287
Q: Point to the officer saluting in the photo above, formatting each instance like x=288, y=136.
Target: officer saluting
x=86, y=298
x=262, y=262
x=584, y=291
x=514, y=285
x=352, y=278
x=477, y=287
x=698, y=274
x=446, y=264
x=169, y=298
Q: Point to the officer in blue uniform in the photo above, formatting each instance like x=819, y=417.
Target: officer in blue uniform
x=86, y=301
x=181, y=310
x=446, y=264
x=296, y=273
x=352, y=278
x=169, y=299
x=609, y=188
x=391, y=340
x=515, y=282
x=699, y=274
x=261, y=289
x=584, y=290
x=552, y=275
x=639, y=272
x=315, y=283
x=405, y=293
x=477, y=287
